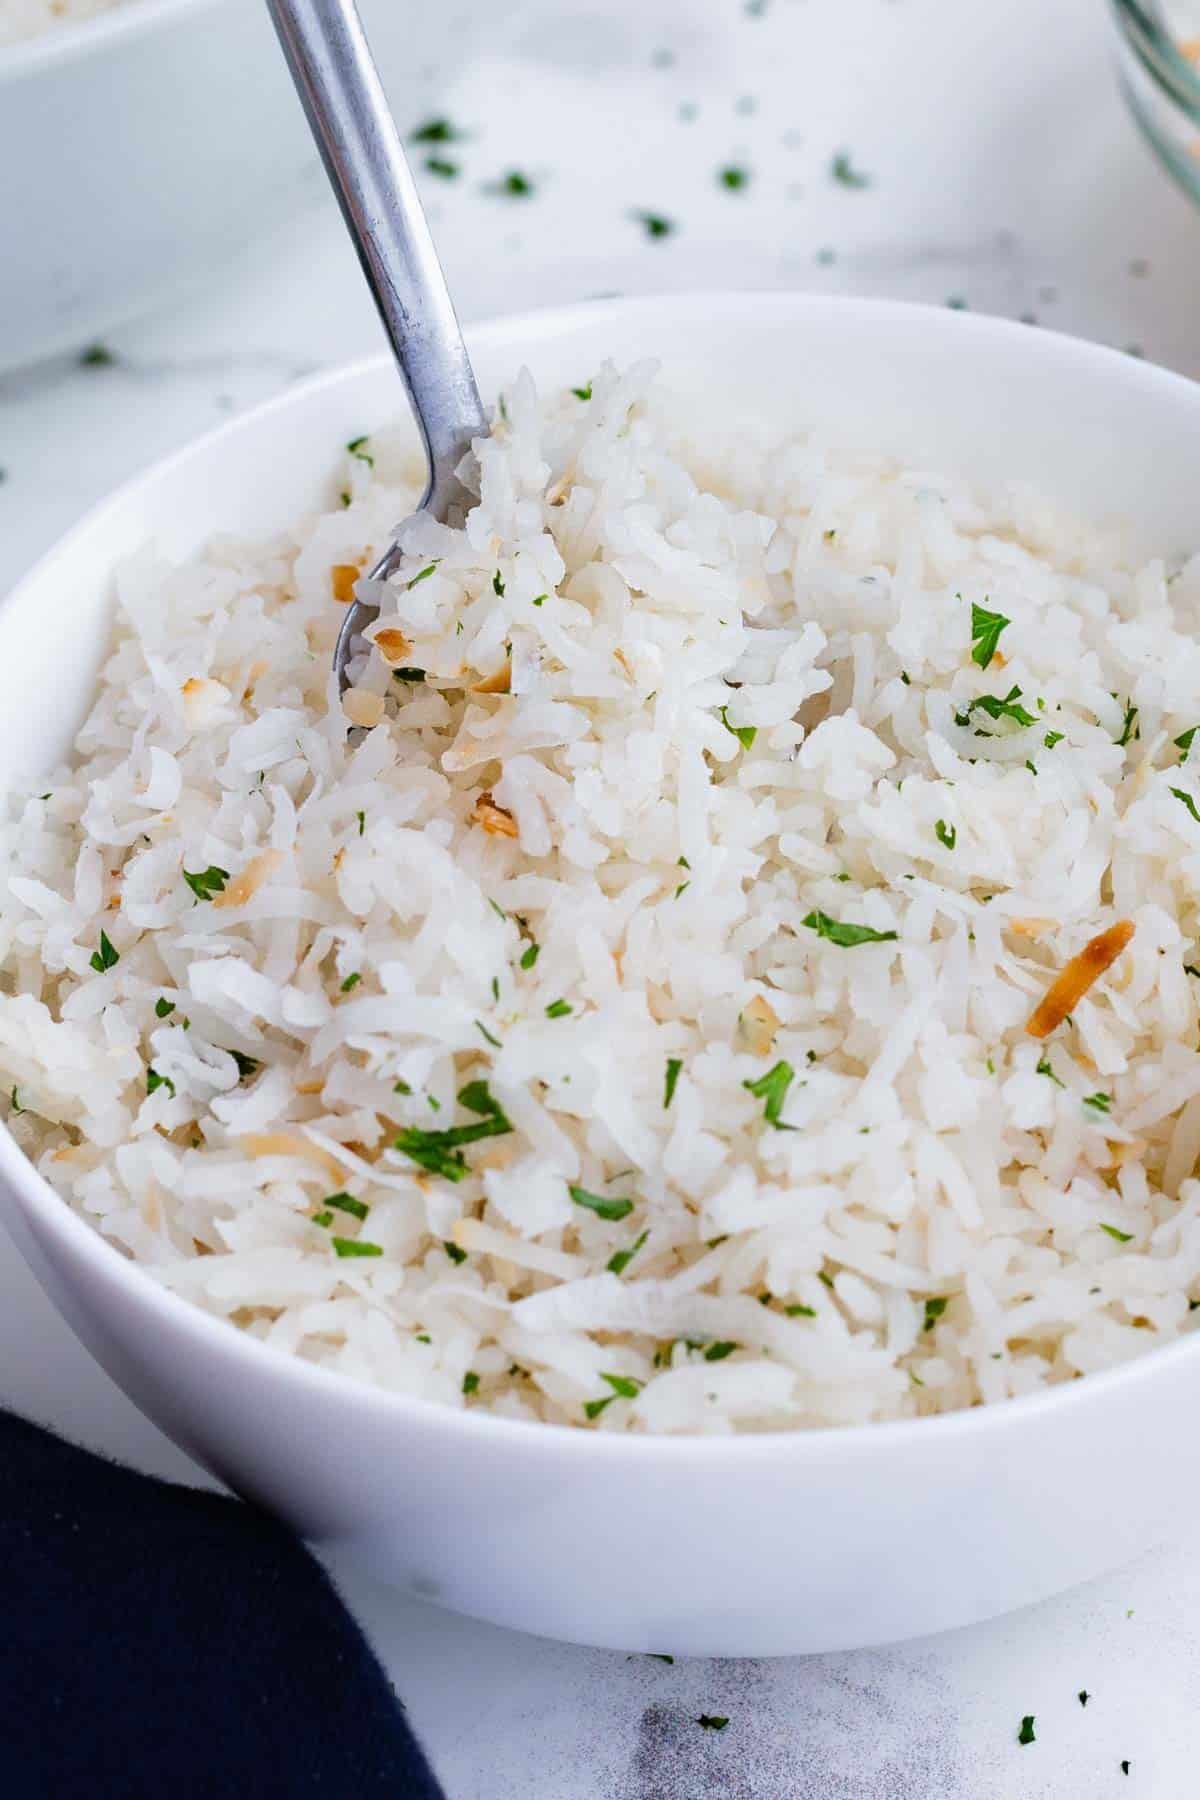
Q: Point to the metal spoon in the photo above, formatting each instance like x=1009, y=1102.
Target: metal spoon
x=338, y=83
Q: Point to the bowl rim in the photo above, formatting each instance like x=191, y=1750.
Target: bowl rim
x=91, y=36
x=34, y=1195
x=1159, y=51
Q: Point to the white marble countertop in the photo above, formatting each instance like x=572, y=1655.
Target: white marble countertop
x=1004, y=175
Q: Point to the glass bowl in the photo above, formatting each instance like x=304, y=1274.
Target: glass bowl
x=1159, y=64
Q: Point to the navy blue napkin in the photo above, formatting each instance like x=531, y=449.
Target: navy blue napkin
x=159, y=1641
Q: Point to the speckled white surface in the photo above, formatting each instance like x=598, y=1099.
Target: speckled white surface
x=1003, y=175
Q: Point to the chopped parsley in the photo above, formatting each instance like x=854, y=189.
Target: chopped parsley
x=355, y=447
x=712, y=1721
x=470, y=1382
x=946, y=834
x=1051, y=738
x=154, y=1081
x=580, y=393
x=105, y=957
x=996, y=708
x=934, y=1308
x=97, y=356
x=719, y=1351
x=1126, y=1765
x=1084, y=1696
x=733, y=177
x=844, y=172
x=1122, y=1237
x=558, y=1009
x=985, y=634
x=1044, y=1068
x=497, y=908
x=540, y=599
x=362, y=822
x=358, y=1209
x=674, y=1066
x=498, y=584
x=624, y=1387
x=163, y=1008
x=530, y=955
x=408, y=674
x=351, y=981
x=1188, y=802
x=800, y=1312
x=496, y=989
x=208, y=882
x=1184, y=740
x=453, y=1252
x=1130, y=728
x=772, y=1089
x=655, y=225
x=401, y=1087
x=846, y=936
x=355, y=1247
x=601, y=1205
x=1101, y=1102
x=424, y=574
x=436, y=131
x=322, y=1218
x=487, y=1036
x=14, y=1102
x=440, y=1152
x=441, y=165
x=745, y=734
x=904, y=676
x=621, y=1259
x=246, y=1065
x=1026, y=1735
x=514, y=185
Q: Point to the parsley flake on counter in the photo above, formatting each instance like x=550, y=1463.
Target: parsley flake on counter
x=1101, y=1102
x=558, y=1009
x=985, y=634
x=844, y=172
x=745, y=734
x=358, y=1209
x=355, y=1247
x=441, y=165
x=436, y=131
x=105, y=957
x=946, y=834
x=154, y=1081
x=1044, y=1068
x=208, y=882
x=733, y=177
x=603, y=1207
x=996, y=708
x=655, y=225
x=934, y=1308
x=530, y=954
x=1188, y=802
x=163, y=1008
x=674, y=1066
x=453, y=1252
x=355, y=447
x=621, y=1259
x=350, y=982
x=580, y=393
x=1122, y=1237
x=713, y=1721
x=1027, y=1735
x=470, y=1382
x=772, y=1089
x=846, y=936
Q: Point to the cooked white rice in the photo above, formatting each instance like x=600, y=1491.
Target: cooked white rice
x=744, y=703
x=30, y=18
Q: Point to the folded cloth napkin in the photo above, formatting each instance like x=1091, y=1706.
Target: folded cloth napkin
x=159, y=1641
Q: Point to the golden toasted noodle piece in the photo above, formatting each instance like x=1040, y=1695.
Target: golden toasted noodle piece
x=1073, y=981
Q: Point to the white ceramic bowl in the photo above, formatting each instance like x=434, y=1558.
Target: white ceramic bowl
x=143, y=148
x=754, y=1545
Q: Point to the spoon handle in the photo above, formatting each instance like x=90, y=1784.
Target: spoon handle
x=338, y=83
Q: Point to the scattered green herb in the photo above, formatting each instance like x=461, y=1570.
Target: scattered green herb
x=362, y=822
x=441, y=165
x=772, y=1089
x=846, y=936
x=16, y=1104
x=844, y=172
x=1044, y=1068
x=674, y=1066
x=733, y=177
x=358, y=1209
x=470, y=1382
x=800, y=1312
x=453, y=1252
x=441, y=1151
x=355, y=447
x=946, y=834
x=401, y=1087
x=324, y=1219
x=580, y=393
x=246, y=1065
x=105, y=957
x=436, y=131
x=424, y=574
x=154, y=1081
x=1184, y=740
x=1188, y=802
x=1130, y=728
x=655, y=225
x=1026, y=1735
x=621, y=1259
x=904, y=678
x=1101, y=1102
x=97, y=356
x=498, y=584
x=934, y=1308
x=996, y=708
x=1122, y=1237
x=530, y=955
x=163, y=1008
x=1051, y=738
x=1084, y=1696
x=208, y=882
x=350, y=982
x=745, y=734
x=355, y=1247
x=719, y=1351
x=487, y=1036
x=541, y=600
x=713, y=1721
x=514, y=185
x=602, y=1206
x=1126, y=1765
x=985, y=634
x=558, y=1009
